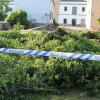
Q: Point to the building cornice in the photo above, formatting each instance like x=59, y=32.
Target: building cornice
x=71, y=4
x=73, y=15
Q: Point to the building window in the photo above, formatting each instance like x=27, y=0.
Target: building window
x=83, y=8
x=74, y=10
x=73, y=22
x=82, y=21
x=65, y=21
x=65, y=8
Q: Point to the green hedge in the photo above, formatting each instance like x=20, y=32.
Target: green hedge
x=24, y=73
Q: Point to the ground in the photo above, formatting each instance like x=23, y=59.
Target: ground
x=71, y=95
x=67, y=28
x=72, y=28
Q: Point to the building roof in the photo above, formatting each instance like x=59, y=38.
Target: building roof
x=73, y=0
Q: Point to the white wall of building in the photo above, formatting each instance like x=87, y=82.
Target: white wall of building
x=36, y=9
x=89, y=5
x=68, y=14
x=11, y=5
x=69, y=19
x=69, y=9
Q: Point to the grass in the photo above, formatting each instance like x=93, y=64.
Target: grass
x=71, y=95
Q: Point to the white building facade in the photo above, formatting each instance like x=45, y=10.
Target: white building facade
x=38, y=11
x=72, y=12
x=11, y=5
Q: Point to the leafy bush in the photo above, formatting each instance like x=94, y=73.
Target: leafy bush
x=4, y=9
x=18, y=26
x=18, y=16
x=55, y=23
x=25, y=73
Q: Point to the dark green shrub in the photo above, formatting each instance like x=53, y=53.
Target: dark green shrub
x=18, y=16
x=55, y=23
x=25, y=73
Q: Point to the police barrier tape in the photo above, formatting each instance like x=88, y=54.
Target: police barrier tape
x=51, y=54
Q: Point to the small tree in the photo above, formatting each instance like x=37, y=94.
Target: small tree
x=4, y=9
x=18, y=16
x=98, y=20
x=18, y=26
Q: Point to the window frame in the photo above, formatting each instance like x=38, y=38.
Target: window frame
x=83, y=9
x=64, y=21
x=74, y=13
x=82, y=23
x=65, y=8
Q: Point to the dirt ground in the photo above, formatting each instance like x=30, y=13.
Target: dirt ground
x=67, y=28
x=75, y=28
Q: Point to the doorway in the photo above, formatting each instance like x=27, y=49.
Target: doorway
x=73, y=22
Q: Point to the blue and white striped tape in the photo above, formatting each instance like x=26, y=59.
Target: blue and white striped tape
x=51, y=54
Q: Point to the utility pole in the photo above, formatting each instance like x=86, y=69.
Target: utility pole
x=50, y=14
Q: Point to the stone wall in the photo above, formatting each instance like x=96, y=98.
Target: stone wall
x=95, y=14
x=1, y=25
x=5, y=26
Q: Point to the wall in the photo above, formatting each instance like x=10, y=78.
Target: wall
x=89, y=7
x=69, y=9
x=1, y=25
x=11, y=5
x=69, y=19
x=56, y=10
x=68, y=14
x=35, y=9
x=93, y=14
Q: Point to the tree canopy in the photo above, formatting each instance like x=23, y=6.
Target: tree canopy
x=4, y=9
x=18, y=16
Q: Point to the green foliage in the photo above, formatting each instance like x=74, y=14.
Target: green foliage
x=98, y=20
x=2, y=16
x=55, y=23
x=18, y=16
x=25, y=73
x=18, y=26
x=62, y=27
x=4, y=9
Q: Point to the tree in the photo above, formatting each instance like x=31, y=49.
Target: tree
x=4, y=9
x=18, y=16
